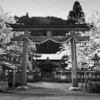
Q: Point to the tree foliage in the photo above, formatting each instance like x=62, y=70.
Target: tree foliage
x=5, y=32
x=87, y=49
x=76, y=15
x=26, y=20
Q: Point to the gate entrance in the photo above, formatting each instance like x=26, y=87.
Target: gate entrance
x=47, y=70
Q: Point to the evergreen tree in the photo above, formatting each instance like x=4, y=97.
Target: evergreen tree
x=76, y=15
x=27, y=15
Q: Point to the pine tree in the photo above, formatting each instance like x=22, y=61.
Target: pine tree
x=27, y=15
x=76, y=15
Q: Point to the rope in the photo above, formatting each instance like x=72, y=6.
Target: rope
x=51, y=40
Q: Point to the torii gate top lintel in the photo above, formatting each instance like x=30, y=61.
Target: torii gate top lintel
x=76, y=27
x=49, y=28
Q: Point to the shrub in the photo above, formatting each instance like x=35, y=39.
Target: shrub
x=93, y=87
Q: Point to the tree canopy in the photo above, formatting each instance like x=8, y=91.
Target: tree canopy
x=26, y=20
x=76, y=15
x=5, y=32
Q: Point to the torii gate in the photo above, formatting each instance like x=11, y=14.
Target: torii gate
x=73, y=38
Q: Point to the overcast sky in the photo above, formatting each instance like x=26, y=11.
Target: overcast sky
x=58, y=8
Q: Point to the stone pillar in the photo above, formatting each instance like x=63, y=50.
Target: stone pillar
x=74, y=62
x=24, y=60
x=49, y=34
x=14, y=78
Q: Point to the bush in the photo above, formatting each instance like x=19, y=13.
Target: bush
x=93, y=87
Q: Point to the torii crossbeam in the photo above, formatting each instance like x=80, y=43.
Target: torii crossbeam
x=73, y=38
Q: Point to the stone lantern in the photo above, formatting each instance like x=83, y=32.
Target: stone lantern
x=96, y=60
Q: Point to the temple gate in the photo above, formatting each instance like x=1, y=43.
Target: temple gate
x=72, y=37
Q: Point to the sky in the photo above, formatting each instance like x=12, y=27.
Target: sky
x=57, y=8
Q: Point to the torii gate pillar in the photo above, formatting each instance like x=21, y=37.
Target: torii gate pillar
x=24, y=60
x=74, y=63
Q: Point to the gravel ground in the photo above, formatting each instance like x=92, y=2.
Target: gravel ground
x=49, y=91
x=21, y=97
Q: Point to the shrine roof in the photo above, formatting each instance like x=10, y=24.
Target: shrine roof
x=51, y=57
x=8, y=66
x=77, y=27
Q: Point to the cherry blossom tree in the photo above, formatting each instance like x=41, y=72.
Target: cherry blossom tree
x=5, y=32
x=87, y=49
